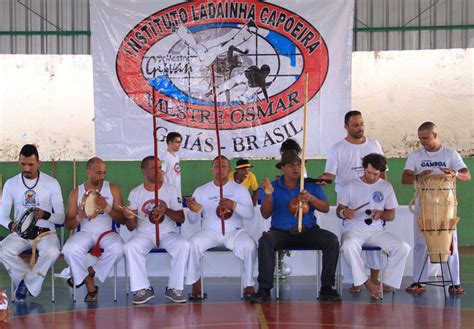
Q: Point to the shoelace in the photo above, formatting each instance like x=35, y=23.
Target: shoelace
x=175, y=292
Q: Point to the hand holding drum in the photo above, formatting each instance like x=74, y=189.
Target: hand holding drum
x=90, y=204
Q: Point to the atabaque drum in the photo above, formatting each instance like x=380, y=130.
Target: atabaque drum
x=437, y=216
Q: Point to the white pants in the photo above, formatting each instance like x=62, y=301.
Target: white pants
x=419, y=256
x=396, y=249
x=239, y=241
x=75, y=253
x=139, y=246
x=13, y=245
x=372, y=260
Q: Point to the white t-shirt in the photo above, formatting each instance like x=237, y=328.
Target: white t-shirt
x=46, y=195
x=208, y=196
x=421, y=160
x=355, y=193
x=173, y=170
x=143, y=201
x=345, y=160
x=103, y=221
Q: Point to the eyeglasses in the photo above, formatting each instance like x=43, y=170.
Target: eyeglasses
x=368, y=221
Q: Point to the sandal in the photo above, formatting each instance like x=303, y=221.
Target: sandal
x=92, y=295
x=416, y=288
x=197, y=296
x=355, y=290
x=456, y=290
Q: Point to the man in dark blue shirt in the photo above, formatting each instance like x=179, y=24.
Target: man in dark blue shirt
x=284, y=234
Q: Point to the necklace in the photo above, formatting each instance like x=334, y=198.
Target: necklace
x=32, y=187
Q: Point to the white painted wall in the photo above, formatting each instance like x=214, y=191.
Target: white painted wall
x=399, y=90
x=48, y=100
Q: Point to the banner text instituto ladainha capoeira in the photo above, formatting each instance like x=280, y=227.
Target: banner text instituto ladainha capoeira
x=260, y=51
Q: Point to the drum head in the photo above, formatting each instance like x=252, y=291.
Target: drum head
x=89, y=204
x=26, y=223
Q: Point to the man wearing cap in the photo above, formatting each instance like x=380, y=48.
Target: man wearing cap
x=282, y=235
x=243, y=176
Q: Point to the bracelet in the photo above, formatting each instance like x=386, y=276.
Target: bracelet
x=108, y=208
x=456, y=173
x=342, y=213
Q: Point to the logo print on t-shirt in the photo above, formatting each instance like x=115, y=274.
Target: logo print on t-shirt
x=30, y=198
x=177, y=168
x=377, y=196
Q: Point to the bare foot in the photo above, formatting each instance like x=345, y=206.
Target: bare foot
x=355, y=289
x=386, y=287
x=373, y=289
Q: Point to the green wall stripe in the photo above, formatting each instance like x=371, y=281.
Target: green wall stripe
x=127, y=174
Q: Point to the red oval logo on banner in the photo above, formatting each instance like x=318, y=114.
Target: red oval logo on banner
x=260, y=53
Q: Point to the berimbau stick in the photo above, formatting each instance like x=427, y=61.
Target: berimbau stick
x=303, y=153
x=155, y=153
x=221, y=189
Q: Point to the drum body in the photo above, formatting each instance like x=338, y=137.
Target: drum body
x=437, y=216
x=89, y=204
x=26, y=226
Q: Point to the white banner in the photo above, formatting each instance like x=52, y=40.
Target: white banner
x=262, y=53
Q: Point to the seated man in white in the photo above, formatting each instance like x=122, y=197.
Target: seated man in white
x=168, y=213
x=95, y=233
x=365, y=204
x=235, y=207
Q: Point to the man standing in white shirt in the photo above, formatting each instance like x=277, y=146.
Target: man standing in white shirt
x=433, y=158
x=171, y=161
x=96, y=233
x=344, y=164
x=365, y=226
x=30, y=190
x=235, y=207
x=142, y=207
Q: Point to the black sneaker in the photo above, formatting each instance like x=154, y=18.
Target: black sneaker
x=329, y=294
x=262, y=295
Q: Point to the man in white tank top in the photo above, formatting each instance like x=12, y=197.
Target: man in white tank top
x=31, y=189
x=97, y=232
x=433, y=158
x=344, y=164
x=365, y=204
x=235, y=207
x=142, y=205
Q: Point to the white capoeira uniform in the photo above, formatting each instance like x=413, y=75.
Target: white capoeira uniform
x=46, y=195
x=144, y=240
x=236, y=238
x=173, y=171
x=78, y=245
x=418, y=161
x=357, y=233
x=345, y=162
